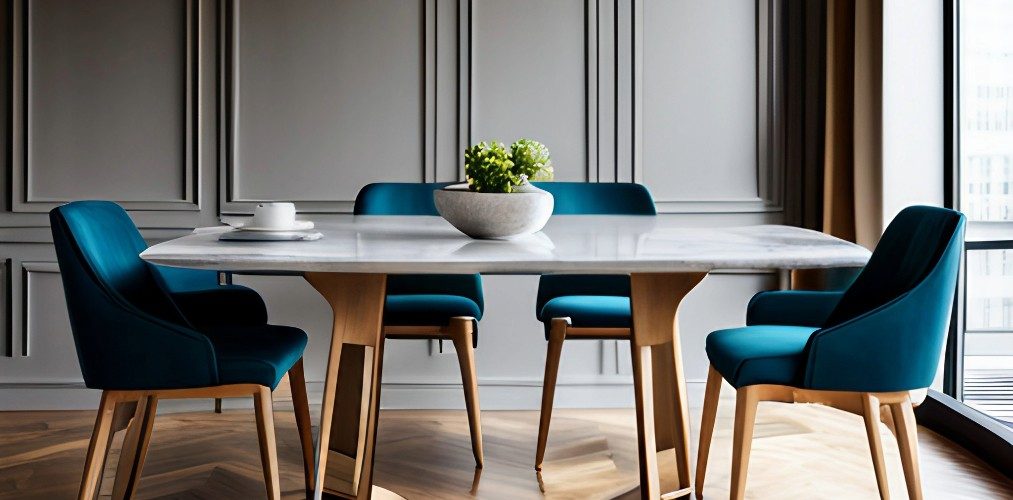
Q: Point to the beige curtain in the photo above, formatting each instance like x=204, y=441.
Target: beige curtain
x=852, y=161
x=852, y=183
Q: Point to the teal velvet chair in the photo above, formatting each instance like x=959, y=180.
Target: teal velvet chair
x=434, y=306
x=201, y=298
x=574, y=306
x=142, y=334
x=858, y=350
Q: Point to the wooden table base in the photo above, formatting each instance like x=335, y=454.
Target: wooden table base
x=344, y=452
x=658, y=379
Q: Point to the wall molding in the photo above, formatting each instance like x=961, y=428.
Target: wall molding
x=8, y=305
x=19, y=118
x=769, y=119
x=232, y=201
x=592, y=75
x=27, y=268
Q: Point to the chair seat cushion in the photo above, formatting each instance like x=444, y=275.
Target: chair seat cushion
x=427, y=309
x=592, y=311
x=255, y=354
x=760, y=354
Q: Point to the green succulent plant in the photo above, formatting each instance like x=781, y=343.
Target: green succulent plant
x=531, y=158
x=489, y=169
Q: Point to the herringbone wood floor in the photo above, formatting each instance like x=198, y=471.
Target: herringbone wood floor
x=799, y=452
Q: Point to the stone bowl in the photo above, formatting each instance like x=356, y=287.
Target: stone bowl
x=494, y=215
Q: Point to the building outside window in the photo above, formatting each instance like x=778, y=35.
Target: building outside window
x=985, y=171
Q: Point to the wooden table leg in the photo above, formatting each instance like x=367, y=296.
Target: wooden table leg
x=344, y=451
x=660, y=385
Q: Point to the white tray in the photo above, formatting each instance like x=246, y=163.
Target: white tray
x=270, y=236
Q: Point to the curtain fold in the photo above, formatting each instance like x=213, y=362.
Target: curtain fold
x=849, y=174
x=852, y=188
x=804, y=111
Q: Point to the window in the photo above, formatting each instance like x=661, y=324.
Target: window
x=985, y=172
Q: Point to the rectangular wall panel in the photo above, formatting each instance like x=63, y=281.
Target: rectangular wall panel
x=698, y=123
x=102, y=96
x=529, y=77
x=326, y=97
x=46, y=352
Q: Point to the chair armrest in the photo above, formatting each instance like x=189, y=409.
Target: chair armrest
x=227, y=304
x=791, y=308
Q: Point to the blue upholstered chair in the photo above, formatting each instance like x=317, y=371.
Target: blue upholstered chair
x=857, y=350
x=144, y=333
x=434, y=306
x=584, y=306
x=201, y=297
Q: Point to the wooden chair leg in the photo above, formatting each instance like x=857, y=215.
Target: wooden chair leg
x=907, y=441
x=218, y=405
x=301, y=406
x=871, y=414
x=746, y=399
x=886, y=416
x=135, y=448
x=97, y=448
x=557, y=334
x=123, y=415
x=462, y=336
x=710, y=411
x=262, y=402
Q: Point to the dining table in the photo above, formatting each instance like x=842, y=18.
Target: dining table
x=664, y=257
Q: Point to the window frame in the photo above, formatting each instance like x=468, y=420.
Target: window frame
x=946, y=413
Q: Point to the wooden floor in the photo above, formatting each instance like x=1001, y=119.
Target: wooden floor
x=799, y=452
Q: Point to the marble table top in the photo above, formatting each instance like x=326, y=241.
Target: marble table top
x=590, y=244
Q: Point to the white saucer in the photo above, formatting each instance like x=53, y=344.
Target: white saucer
x=299, y=225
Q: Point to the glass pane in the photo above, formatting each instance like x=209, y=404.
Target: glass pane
x=988, y=339
x=986, y=196
x=986, y=109
x=990, y=290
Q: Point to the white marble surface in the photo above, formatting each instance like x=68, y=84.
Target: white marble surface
x=582, y=243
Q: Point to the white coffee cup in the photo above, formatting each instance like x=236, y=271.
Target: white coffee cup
x=274, y=215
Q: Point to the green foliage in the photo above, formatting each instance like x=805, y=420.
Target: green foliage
x=531, y=158
x=489, y=169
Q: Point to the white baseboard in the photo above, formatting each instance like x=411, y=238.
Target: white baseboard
x=495, y=394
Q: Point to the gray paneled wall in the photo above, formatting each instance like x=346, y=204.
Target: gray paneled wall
x=521, y=89
x=325, y=97
x=706, y=123
x=188, y=110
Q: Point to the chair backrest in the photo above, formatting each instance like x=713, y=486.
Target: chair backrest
x=179, y=279
x=911, y=247
x=397, y=198
x=587, y=198
x=102, y=241
x=889, y=328
x=605, y=198
x=403, y=198
x=127, y=331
